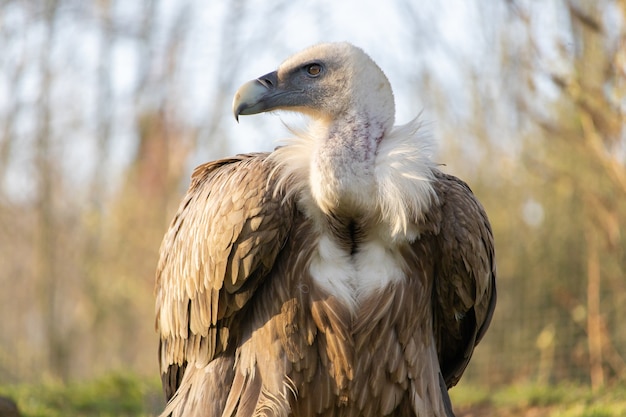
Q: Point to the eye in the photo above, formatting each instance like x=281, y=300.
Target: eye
x=313, y=70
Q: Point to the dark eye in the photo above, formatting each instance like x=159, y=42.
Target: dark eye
x=313, y=69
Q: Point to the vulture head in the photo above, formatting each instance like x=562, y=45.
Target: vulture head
x=330, y=82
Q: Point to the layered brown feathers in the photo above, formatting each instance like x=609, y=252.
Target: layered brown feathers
x=238, y=314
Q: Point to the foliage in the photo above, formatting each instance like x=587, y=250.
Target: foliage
x=112, y=395
x=123, y=394
x=555, y=190
x=563, y=400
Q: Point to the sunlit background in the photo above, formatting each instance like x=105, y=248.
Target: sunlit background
x=107, y=105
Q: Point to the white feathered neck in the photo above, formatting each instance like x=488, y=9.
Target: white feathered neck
x=401, y=190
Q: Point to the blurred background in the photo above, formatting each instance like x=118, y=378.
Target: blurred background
x=106, y=106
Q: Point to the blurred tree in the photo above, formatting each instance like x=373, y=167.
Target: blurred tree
x=98, y=126
x=536, y=125
x=103, y=115
x=583, y=147
x=50, y=286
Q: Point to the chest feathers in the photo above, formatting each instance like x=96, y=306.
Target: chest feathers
x=371, y=328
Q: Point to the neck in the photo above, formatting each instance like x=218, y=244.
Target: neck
x=342, y=167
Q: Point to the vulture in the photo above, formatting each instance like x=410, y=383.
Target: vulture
x=342, y=274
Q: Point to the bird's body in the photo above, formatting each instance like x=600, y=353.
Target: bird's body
x=340, y=275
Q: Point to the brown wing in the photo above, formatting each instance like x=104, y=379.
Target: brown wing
x=464, y=288
x=221, y=244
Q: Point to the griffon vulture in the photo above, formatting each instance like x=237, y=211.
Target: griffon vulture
x=342, y=274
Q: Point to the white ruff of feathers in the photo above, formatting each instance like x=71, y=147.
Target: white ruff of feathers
x=403, y=172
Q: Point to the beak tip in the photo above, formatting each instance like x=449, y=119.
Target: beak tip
x=237, y=110
x=251, y=98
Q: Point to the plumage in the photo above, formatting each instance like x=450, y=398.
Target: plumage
x=342, y=274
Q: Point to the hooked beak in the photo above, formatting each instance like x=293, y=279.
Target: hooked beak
x=257, y=96
x=269, y=93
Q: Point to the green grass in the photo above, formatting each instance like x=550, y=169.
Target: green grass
x=563, y=400
x=112, y=395
x=127, y=395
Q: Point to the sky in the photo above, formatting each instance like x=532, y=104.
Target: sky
x=377, y=27
x=408, y=40
x=266, y=35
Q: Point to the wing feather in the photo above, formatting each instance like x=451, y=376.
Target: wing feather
x=464, y=291
x=221, y=244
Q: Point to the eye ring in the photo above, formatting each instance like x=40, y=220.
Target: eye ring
x=313, y=70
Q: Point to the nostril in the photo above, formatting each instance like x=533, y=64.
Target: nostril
x=268, y=80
